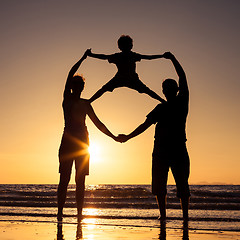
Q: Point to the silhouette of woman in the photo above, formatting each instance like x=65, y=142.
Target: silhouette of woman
x=75, y=141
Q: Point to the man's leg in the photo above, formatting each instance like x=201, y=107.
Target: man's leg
x=180, y=171
x=183, y=194
x=162, y=235
x=159, y=183
x=185, y=205
x=65, y=174
x=185, y=235
x=60, y=231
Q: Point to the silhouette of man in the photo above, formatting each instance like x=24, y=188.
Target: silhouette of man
x=170, y=140
x=126, y=64
x=74, y=144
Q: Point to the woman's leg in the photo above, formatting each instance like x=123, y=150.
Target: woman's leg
x=62, y=193
x=65, y=174
x=82, y=168
x=80, y=190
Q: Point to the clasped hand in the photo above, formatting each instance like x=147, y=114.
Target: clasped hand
x=121, y=138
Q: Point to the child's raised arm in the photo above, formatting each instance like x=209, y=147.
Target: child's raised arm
x=99, y=56
x=151, y=57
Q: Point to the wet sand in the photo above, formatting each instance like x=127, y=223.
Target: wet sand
x=14, y=230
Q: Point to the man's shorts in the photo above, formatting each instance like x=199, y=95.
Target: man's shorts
x=72, y=148
x=119, y=81
x=176, y=158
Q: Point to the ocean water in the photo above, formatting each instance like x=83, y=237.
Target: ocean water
x=212, y=207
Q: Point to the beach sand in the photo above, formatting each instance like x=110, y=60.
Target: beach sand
x=13, y=230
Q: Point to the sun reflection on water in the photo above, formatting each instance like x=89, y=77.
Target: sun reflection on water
x=91, y=211
x=90, y=221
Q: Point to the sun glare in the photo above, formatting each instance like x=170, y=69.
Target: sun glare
x=94, y=151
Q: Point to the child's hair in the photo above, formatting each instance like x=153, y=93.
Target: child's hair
x=78, y=81
x=125, y=42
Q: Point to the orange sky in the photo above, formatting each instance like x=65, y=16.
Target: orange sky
x=40, y=42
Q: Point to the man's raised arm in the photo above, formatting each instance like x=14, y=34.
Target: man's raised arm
x=183, y=86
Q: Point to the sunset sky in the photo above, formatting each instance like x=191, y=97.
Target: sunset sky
x=41, y=40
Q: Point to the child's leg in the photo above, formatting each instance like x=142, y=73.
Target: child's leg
x=154, y=95
x=97, y=95
x=142, y=88
x=108, y=87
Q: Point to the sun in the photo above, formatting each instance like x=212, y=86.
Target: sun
x=94, y=151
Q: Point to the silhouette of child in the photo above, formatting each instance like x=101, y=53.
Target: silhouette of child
x=126, y=64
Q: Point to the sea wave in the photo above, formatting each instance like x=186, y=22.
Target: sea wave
x=120, y=196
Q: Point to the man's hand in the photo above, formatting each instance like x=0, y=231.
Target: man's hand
x=122, y=138
x=168, y=55
x=89, y=52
